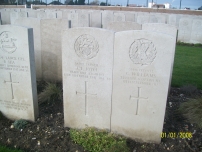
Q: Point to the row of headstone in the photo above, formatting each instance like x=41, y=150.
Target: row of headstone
x=47, y=33
x=117, y=81
x=111, y=80
x=188, y=25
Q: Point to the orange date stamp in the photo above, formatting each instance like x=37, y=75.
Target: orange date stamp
x=176, y=135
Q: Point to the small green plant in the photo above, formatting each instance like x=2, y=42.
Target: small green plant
x=6, y=149
x=95, y=140
x=51, y=92
x=20, y=124
x=192, y=110
x=189, y=89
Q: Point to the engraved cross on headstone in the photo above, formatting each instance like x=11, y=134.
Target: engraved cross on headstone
x=11, y=82
x=138, y=98
x=86, y=97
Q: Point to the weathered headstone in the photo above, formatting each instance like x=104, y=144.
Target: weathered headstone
x=143, y=18
x=51, y=48
x=18, y=95
x=87, y=59
x=130, y=17
x=196, y=32
x=118, y=17
x=17, y=15
x=142, y=66
x=5, y=17
x=35, y=24
x=166, y=29
x=74, y=17
x=107, y=17
x=185, y=27
x=42, y=15
x=123, y=26
x=157, y=18
x=95, y=19
x=83, y=19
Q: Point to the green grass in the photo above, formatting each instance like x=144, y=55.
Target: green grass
x=6, y=149
x=95, y=140
x=187, y=66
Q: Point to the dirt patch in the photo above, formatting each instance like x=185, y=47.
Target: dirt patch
x=47, y=134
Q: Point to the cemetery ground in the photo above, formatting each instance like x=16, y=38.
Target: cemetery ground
x=181, y=131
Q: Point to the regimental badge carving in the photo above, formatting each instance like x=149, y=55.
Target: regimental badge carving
x=7, y=42
x=142, y=51
x=86, y=46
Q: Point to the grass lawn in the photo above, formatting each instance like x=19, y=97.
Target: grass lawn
x=187, y=66
x=6, y=149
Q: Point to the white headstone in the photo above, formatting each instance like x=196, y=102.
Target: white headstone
x=87, y=59
x=157, y=18
x=123, y=26
x=172, y=19
x=130, y=17
x=18, y=95
x=118, y=17
x=107, y=17
x=166, y=29
x=143, y=18
x=13, y=16
x=185, y=27
x=196, y=33
x=17, y=15
x=59, y=14
x=5, y=17
x=83, y=19
x=142, y=66
x=74, y=17
x=35, y=24
x=51, y=48
x=95, y=19
x=41, y=15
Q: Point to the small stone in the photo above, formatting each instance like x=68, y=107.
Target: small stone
x=194, y=132
x=181, y=95
x=21, y=130
x=12, y=126
x=168, y=148
x=170, y=103
x=34, y=138
x=38, y=143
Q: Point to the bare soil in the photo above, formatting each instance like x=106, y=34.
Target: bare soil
x=47, y=134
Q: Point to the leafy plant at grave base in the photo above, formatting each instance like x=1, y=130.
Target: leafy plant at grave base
x=6, y=149
x=20, y=124
x=189, y=89
x=95, y=140
x=51, y=92
x=192, y=110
